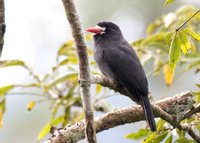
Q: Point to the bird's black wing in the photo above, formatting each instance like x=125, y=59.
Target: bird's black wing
x=128, y=71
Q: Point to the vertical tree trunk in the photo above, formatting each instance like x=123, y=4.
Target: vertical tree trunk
x=2, y=25
x=84, y=78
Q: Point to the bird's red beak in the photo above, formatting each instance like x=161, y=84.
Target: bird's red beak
x=96, y=29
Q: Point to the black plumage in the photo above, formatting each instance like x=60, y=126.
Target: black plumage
x=117, y=60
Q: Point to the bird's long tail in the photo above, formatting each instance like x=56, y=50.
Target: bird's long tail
x=148, y=112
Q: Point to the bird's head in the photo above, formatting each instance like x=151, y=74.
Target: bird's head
x=106, y=30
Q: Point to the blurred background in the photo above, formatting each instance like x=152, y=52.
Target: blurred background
x=35, y=31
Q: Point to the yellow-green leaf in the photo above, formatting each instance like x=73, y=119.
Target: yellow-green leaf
x=69, y=77
x=160, y=137
x=90, y=52
x=140, y=134
x=5, y=89
x=88, y=37
x=30, y=105
x=57, y=120
x=185, y=44
x=8, y=63
x=180, y=133
x=1, y=119
x=160, y=37
x=152, y=27
x=2, y=111
x=67, y=48
x=192, y=33
x=160, y=124
x=185, y=10
x=183, y=140
x=150, y=138
x=175, y=49
x=79, y=117
x=174, y=52
x=168, y=74
x=167, y=2
x=45, y=130
x=137, y=43
x=169, y=139
x=98, y=88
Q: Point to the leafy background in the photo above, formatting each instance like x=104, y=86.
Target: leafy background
x=38, y=39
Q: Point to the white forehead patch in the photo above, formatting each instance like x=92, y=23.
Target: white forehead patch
x=102, y=28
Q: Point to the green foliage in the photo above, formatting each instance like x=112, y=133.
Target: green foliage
x=184, y=140
x=60, y=87
x=167, y=45
x=8, y=63
x=167, y=2
x=139, y=135
x=3, y=91
x=169, y=36
x=169, y=139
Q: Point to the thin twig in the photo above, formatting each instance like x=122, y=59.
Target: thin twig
x=185, y=22
x=84, y=80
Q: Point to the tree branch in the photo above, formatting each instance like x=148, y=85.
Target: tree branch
x=84, y=80
x=126, y=115
x=2, y=25
x=106, y=82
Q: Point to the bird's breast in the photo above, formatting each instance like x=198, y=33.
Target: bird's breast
x=102, y=64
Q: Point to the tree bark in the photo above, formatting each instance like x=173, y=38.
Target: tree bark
x=126, y=115
x=2, y=25
x=84, y=79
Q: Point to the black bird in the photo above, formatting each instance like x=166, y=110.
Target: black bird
x=118, y=61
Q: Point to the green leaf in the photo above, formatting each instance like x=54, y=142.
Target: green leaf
x=169, y=139
x=5, y=89
x=160, y=124
x=137, y=43
x=180, y=133
x=140, y=134
x=152, y=27
x=45, y=130
x=175, y=50
x=168, y=37
x=183, y=140
x=57, y=120
x=185, y=9
x=198, y=85
x=8, y=63
x=70, y=77
x=2, y=111
x=55, y=109
x=185, y=44
x=67, y=49
x=167, y=2
x=197, y=96
x=79, y=117
x=150, y=138
x=160, y=137
x=192, y=33
x=159, y=37
x=174, y=53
